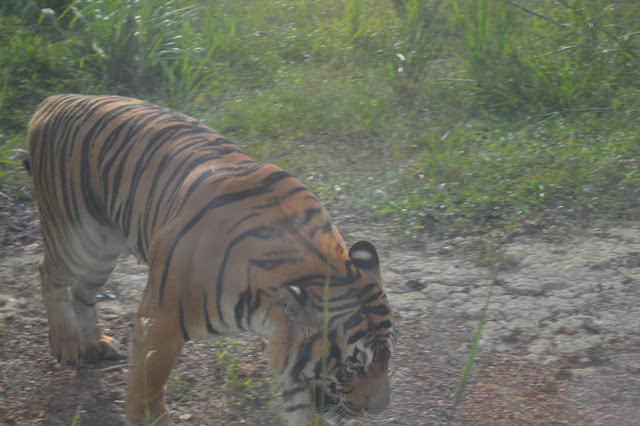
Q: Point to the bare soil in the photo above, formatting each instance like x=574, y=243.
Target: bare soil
x=226, y=381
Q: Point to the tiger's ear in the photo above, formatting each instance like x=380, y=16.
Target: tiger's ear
x=301, y=315
x=364, y=257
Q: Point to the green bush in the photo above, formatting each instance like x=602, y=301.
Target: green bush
x=566, y=57
x=32, y=66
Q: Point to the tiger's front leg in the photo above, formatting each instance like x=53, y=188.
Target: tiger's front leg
x=297, y=404
x=64, y=333
x=157, y=345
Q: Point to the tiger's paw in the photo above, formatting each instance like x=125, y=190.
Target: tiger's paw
x=65, y=337
x=65, y=345
x=104, y=348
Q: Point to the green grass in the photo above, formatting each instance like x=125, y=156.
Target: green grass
x=474, y=175
x=76, y=416
x=440, y=116
x=12, y=182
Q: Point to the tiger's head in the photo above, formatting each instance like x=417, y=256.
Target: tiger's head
x=351, y=380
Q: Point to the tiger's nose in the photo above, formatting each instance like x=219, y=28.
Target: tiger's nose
x=378, y=404
x=379, y=399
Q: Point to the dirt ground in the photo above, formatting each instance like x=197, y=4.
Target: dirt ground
x=226, y=381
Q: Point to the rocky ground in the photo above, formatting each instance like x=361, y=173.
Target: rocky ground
x=561, y=344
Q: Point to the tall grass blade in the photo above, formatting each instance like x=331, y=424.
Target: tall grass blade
x=76, y=416
x=466, y=372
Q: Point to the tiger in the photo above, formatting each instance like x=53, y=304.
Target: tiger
x=232, y=246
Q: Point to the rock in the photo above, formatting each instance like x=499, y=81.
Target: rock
x=539, y=346
x=474, y=312
x=510, y=337
x=445, y=250
x=437, y=292
x=455, y=300
x=564, y=374
x=633, y=369
x=415, y=285
x=591, y=325
x=578, y=343
x=580, y=373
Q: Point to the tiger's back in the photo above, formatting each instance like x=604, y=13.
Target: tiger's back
x=232, y=246
x=124, y=161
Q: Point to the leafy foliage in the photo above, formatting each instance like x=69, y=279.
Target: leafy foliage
x=429, y=114
x=568, y=56
x=32, y=67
